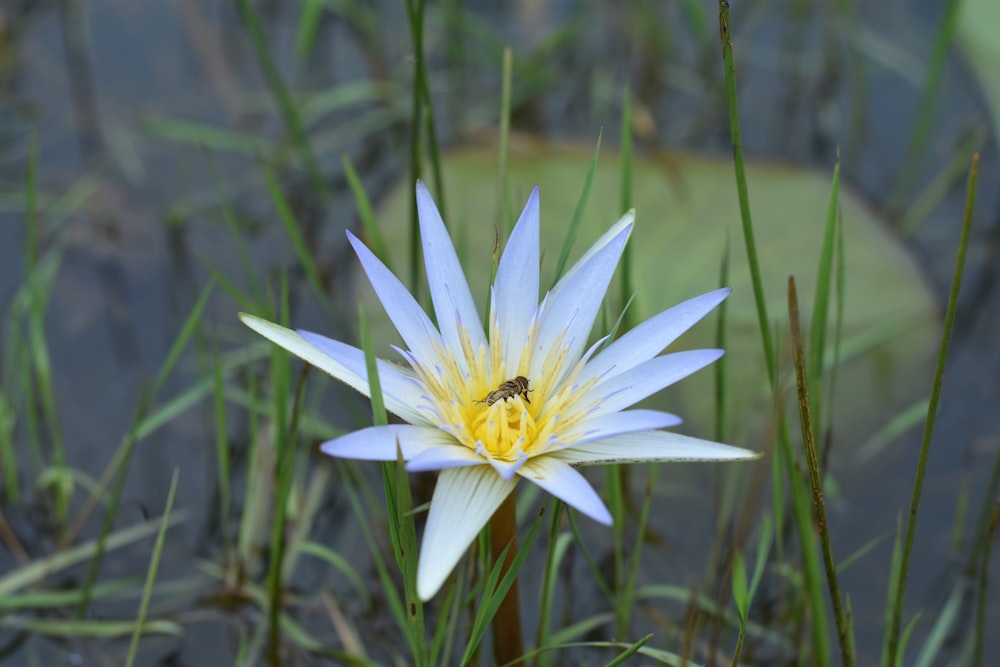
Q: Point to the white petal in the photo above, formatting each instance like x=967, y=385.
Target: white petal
x=630, y=387
x=400, y=389
x=649, y=446
x=378, y=443
x=570, y=311
x=613, y=231
x=652, y=336
x=452, y=455
x=506, y=469
x=515, y=290
x=402, y=392
x=616, y=423
x=449, y=289
x=464, y=500
x=407, y=316
x=567, y=485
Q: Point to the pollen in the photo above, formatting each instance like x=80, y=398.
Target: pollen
x=506, y=428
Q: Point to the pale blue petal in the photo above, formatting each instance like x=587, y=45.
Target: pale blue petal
x=400, y=388
x=402, y=391
x=515, y=290
x=452, y=455
x=607, y=237
x=378, y=443
x=449, y=289
x=464, y=500
x=647, y=378
x=617, y=423
x=566, y=484
x=407, y=316
x=651, y=446
x=506, y=469
x=652, y=336
x=569, y=312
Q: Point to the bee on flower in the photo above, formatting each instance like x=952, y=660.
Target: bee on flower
x=509, y=389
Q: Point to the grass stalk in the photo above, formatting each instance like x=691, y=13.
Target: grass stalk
x=896, y=613
x=984, y=573
x=93, y=568
x=721, y=366
x=742, y=193
x=286, y=426
x=927, y=101
x=506, y=84
x=286, y=105
x=787, y=460
x=821, y=301
x=366, y=214
x=581, y=206
x=415, y=16
x=399, y=506
x=222, y=453
x=816, y=476
x=154, y=566
x=288, y=221
x=625, y=600
x=553, y=556
x=626, y=204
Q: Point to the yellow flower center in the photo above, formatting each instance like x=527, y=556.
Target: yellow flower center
x=506, y=428
x=489, y=414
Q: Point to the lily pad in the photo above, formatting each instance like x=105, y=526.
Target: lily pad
x=686, y=209
x=976, y=37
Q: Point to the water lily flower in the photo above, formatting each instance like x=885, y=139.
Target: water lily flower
x=524, y=399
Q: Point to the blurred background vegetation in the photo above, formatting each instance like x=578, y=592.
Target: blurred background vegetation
x=165, y=164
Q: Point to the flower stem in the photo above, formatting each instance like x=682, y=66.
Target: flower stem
x=508, y=646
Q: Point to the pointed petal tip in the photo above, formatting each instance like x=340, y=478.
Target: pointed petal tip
x=604, y=518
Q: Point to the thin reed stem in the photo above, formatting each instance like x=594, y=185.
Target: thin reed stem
x=816, y=476
x=892, y=647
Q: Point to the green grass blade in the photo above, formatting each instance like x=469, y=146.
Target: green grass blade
x=46, y=566
x=721, y=366
x=373, y=235
x=294, y=235
x=154, y=566
x=194, y=319
x=556, y=551
x=399, y=504
x=222, y=452
x=742, y=193
x=500, y=219
x=581, y=205
x=496, y=587
x=984, y=571
x=918, y=483
x=286, y=105
x=627, y=288
x=305, y=37
x=415, y=18
x=821, y=300
x=112, y=512
x=927, y=101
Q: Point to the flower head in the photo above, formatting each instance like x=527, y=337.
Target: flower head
x=525, y=398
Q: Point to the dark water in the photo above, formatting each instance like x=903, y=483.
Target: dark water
x=92, y=83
